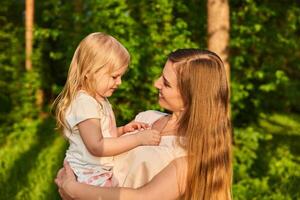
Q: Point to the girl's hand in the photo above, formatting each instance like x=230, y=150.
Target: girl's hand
x=64, y=178
x=132, y=126
x=148, y=137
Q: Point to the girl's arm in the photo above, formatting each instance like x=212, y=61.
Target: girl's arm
x=90, y=132
x=120, y=131
x=168, y=184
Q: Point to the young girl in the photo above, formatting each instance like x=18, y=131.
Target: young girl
x=85, y=115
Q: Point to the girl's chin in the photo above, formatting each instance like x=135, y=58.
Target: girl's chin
x=109, y=93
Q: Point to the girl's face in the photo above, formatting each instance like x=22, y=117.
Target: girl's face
x=169, y=95
x=107, y=82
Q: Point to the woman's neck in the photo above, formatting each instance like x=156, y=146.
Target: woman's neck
x=171, y=124
x=175, y=116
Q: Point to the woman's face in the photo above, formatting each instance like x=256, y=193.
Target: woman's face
x=169, y=95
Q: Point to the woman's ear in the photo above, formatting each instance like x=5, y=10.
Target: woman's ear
x=182, y=109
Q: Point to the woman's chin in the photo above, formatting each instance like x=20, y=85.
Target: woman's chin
x=161, y=103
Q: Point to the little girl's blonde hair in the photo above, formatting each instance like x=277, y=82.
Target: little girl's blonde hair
x=94, y=52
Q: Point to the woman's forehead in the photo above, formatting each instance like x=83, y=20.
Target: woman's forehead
x=169, y=72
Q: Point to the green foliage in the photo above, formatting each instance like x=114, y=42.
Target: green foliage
x=264, y=57
x=10, y=63
x=267, y=158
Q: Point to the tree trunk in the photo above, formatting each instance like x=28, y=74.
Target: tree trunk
x=78, y=8
x=29, y=18
x=29, y=25
x=218, y=26
x=218, y=30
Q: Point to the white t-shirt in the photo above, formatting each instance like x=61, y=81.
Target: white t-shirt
x=82, y=108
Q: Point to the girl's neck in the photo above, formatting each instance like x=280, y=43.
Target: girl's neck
x=100, y=98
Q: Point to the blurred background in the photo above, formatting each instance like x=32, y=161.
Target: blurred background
x=259, y=41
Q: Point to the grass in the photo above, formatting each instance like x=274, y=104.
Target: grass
x=30, y=157
x=278, y=158
x=285, y=130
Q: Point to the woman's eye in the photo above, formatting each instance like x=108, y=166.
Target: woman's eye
x=166, y=84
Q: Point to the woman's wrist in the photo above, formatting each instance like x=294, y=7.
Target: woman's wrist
x=70, y=188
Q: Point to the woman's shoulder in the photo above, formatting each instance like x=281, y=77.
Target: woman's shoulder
x=149, y=116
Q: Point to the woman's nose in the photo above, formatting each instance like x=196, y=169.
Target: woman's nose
x=157, y=83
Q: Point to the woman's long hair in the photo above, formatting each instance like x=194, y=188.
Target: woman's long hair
x=95, y=51
x=205, y=123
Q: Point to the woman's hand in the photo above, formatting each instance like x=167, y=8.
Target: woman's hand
x=64, y=179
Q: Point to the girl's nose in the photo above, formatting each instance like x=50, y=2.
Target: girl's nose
x=119, y=81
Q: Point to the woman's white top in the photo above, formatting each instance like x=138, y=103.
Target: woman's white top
x=138, y=166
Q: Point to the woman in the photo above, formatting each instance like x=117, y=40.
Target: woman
x=194, y=87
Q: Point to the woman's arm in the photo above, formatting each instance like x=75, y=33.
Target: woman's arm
x=168, y=184
x=81, y=191
x=70, y=189
x=90, y=132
